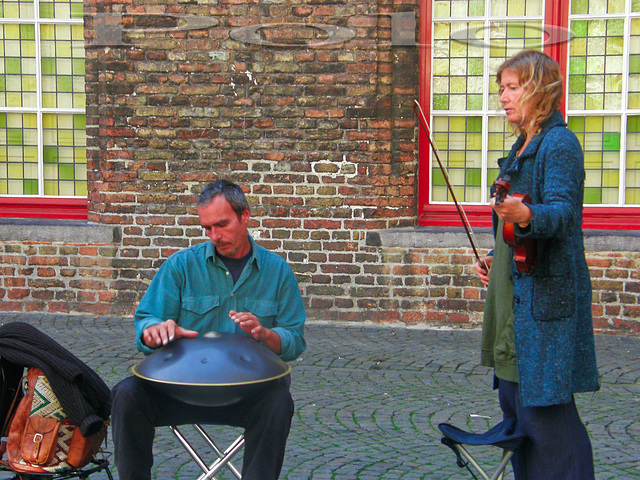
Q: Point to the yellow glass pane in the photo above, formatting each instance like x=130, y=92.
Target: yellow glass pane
x=632, y=195
x=610, y=179
x=50, y=187
x=457, y=124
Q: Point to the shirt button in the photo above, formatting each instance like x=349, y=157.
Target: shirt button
x=228, y=273
x=232, y=294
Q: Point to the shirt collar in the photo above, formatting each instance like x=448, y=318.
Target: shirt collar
x=256, y=254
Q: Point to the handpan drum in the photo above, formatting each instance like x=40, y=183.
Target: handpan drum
x=213, y=369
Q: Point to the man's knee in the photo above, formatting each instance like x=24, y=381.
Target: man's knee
x=127, y=394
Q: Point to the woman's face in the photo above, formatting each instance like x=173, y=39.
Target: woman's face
x=510, y=97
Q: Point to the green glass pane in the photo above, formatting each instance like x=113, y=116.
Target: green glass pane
x=475, y=66
x=49, y=66
x=579, y=28
x=440, y=102
x=65, y=172
x=30, y=187
x=76, y=10
x=592, y=195
x=473, y=176
x=64, y=83
x=80, y=121
x=474, y=102
x=27, y=32
x=46, y=10
x=579, y=7
x=50, y=154
x=615, y=28
x=14, y=136
x=12, y=65
x=437, y=178
x=577, y=83
x=78, y=66
x=476, y=8
x=578, y=65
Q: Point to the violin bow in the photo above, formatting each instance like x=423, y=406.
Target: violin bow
x=422, y=120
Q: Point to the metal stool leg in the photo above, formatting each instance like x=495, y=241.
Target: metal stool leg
x=224, y=457
x=498, y=473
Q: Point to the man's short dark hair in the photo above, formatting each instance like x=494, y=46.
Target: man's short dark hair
x=229, y=190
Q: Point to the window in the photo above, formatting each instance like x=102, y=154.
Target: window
x=596, y=43
x=42, y=109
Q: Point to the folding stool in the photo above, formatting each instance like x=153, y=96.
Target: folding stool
x=224, y=456
x=505, y=435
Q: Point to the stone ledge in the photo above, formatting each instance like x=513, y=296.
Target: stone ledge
x=456, y=237
x=60, y=231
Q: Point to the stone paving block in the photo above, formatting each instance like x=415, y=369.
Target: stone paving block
x=369, y=399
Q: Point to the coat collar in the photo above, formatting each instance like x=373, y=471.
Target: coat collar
x=514, y=162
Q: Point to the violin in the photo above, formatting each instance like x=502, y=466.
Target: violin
x=524, y=249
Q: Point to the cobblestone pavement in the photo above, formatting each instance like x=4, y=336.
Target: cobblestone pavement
x=369, y=399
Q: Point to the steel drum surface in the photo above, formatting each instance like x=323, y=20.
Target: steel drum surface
x=214, y=369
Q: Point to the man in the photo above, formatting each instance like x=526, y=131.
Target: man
x=229, y=284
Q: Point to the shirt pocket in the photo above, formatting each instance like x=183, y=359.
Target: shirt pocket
x=265, y=310
x=194, y=308
x=553, y=297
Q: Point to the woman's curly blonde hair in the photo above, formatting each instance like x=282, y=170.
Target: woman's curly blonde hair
x=540, y=78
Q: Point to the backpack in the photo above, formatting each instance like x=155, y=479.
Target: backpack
x=41, y=438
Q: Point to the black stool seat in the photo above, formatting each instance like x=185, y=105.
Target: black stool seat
x=505, y=434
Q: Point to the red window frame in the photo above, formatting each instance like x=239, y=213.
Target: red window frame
x=44, y=207
x=601, y=218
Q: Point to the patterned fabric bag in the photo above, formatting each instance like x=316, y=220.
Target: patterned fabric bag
x=41, y=437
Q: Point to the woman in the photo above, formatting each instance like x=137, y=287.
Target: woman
x=537, y=330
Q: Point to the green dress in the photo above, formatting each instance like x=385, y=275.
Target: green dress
x=498, y=340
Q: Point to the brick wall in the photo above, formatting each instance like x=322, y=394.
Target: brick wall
x=323, y=137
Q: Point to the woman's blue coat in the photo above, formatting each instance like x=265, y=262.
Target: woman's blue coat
x=552, y=307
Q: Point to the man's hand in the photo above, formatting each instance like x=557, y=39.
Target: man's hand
x=249, y=323
x=162, y=333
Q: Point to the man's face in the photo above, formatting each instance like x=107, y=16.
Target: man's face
x=223, y=227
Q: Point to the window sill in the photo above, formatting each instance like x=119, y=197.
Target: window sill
x=456, y=237
x=67, y=231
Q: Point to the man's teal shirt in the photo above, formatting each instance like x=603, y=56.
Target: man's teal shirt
x=194, y=288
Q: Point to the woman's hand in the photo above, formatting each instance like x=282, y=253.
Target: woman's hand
x=481, y=269
x=512, y=210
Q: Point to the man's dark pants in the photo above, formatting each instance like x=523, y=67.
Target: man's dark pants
x=138, y=408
